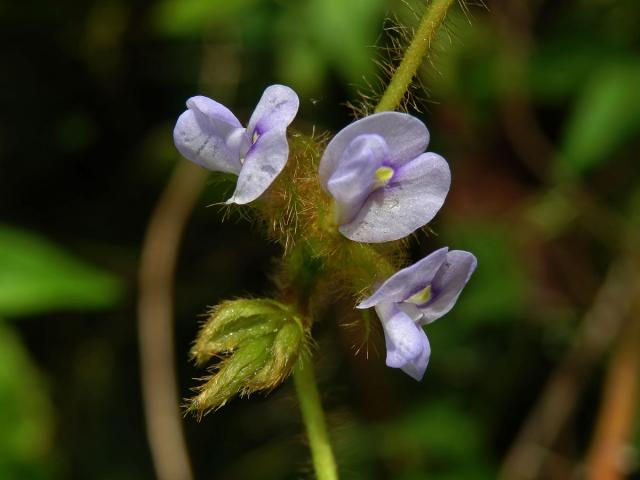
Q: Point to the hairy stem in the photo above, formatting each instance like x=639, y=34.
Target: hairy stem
x=433, y=17
x=323, y=462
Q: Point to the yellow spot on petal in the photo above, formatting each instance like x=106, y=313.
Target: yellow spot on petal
x=255, y=137
x=421, y=297
x=383, y=175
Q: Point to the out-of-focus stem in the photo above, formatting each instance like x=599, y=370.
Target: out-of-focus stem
x=155, y=322
x=313, y=416
x=616, y=418
x=600, y=326
x=433, y=17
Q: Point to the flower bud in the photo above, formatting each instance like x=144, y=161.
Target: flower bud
x=258, y=340
x=233, y=322
x=285, y=349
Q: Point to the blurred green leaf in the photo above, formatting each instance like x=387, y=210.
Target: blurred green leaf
x=606, y=114
x=559, y=66
x=498, y=287
x=191, y=17
x=26, y=414
x=551, y=212
x=300, y=65
x=472, y=68
x=342, y=39
x=37, y=276
x=437, y=437
x=318, y=34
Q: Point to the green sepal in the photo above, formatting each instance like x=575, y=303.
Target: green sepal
x=233, y=375
x=285, y=350
x=232, y=323
x=258, y=342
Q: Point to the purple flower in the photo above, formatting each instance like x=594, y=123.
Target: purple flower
x=211, y=136
x=384, y=185
x=415, y=296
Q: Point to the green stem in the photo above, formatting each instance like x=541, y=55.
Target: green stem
x=433, y=17
x=313, y=417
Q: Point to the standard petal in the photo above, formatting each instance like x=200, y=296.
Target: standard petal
x=203, y=133
x=407, y=344
x=354, y=179
x=212, y=113
x=448, y=283
x=406, y=137
x=275, y=110
x=409, y=202
x=408, y=281
x=262, y=164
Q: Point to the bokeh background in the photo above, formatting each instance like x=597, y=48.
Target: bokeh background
x=536, y=106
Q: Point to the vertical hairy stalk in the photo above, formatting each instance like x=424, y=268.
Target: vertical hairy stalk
x=433, y=17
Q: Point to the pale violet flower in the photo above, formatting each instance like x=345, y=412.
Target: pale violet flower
x=211, y=136
x=415, y=296
x=383, y=184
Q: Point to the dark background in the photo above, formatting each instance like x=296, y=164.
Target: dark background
x=535, y=105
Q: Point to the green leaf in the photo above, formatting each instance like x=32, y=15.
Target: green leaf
x=37, y=276
x=26, y=413
x=605, y=116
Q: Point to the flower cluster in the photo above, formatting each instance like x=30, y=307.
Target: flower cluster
x=383, y=186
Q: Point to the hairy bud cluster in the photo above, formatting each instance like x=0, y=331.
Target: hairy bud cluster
x=257, y=342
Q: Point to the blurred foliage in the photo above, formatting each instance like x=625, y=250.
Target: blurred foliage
x=437, y=440
x=305, y=53
x=26, y=414
x=326, y=38
x=90, y=91
x=37, y=277
x=605, y=117
x=501, y=272
x=195, y=17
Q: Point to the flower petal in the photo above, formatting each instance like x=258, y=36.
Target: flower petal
x=263, y=162
x=207, y=134
x=409, y=202
x=354, y=179
x=210, y=111
x=407, y=344
x=406, y=136
x=408, y=281
x=276, y=109
x=448, y=283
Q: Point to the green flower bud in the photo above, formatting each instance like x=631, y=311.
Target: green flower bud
x=285, y=349
x=258, y=341
x=232, y=376
x=232, y=323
